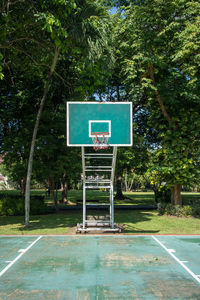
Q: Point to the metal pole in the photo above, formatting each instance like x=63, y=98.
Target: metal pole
x=112, y=184
x=112, y=207
x=114, y=164
x=84, y=189
x=84, y=207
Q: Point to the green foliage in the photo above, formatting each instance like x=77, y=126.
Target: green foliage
x=157, y=50
x=1, y=73
x=179, y=211
x=188, y=211
x=13, y=205
x=133, y=159
x=80, y=30
x=162, y=194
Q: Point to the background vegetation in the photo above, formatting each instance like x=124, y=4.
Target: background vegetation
x=146, y=52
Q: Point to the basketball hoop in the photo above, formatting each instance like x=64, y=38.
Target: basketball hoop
x=100, y=140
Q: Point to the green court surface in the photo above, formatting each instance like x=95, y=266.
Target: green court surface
x=100, y=267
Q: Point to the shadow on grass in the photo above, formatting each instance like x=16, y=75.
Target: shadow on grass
x=190, y=198
x=133, y=198
x=40, y=222
x=62, y=222
x=129, y=221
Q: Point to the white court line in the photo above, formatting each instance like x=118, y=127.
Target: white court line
x=178, y=260
x=18, y=257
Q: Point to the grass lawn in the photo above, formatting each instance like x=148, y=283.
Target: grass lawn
x=134, y=221
x=134, y=198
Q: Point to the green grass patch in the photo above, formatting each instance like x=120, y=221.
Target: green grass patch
x=190, y=198
x=42, y=224
x=132, y=198
x=134, y=221
x=149, y=222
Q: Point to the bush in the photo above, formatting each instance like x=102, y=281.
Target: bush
x=13, y=205
x=188, y=211
x=161, y=208
x=196, y=211
x=170, y=209
x=178, y=211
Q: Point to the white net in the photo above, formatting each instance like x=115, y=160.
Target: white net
x=100, y=140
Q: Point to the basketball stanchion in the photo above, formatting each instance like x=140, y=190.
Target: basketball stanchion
x=98, y=182
x=103, y=126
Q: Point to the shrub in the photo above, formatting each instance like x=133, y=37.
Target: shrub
x=170, y=209
x=178, y=211
x=161, y=208
x=13, y=205
x=196, y=211
x=188, y=211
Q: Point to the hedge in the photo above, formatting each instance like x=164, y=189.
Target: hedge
x=13, y=205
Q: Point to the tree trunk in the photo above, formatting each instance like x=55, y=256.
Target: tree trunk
x=52, y=190
x=64, y=189
x=30, y=161
x=118, y=94
x=158, y=97
x=176, y=195
x=126, y=181
x=23, y=185
x=119, y=195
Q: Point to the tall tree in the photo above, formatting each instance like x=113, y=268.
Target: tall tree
x=154, y=44
x=54, y=27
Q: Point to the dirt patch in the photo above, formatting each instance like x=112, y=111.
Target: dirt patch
x=173, y=289
x=33, y=294
x=113, y=260
x=71, y=231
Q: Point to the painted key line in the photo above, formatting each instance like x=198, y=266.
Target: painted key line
x=171, y=252
x=22, y=252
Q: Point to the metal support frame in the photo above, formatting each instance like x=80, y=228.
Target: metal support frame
x=98, y=183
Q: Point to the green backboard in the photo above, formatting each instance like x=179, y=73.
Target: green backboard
x=85, y=118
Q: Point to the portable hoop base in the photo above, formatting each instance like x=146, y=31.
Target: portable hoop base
x=90, y=166
x=99, y=228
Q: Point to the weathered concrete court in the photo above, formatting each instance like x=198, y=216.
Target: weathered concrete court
x=100, y=267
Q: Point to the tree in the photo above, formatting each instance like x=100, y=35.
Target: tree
x=157, y=70
x=62, y=28
x=131, y=160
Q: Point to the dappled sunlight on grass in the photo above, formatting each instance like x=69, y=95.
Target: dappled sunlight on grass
x=46, y=224
x=134, y=221
x=133, y=198
x=141, y=222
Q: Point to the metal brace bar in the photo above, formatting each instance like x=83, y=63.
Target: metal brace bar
x=99, y=167
x=99, y=181
x=102, y=170
x=97, y=187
